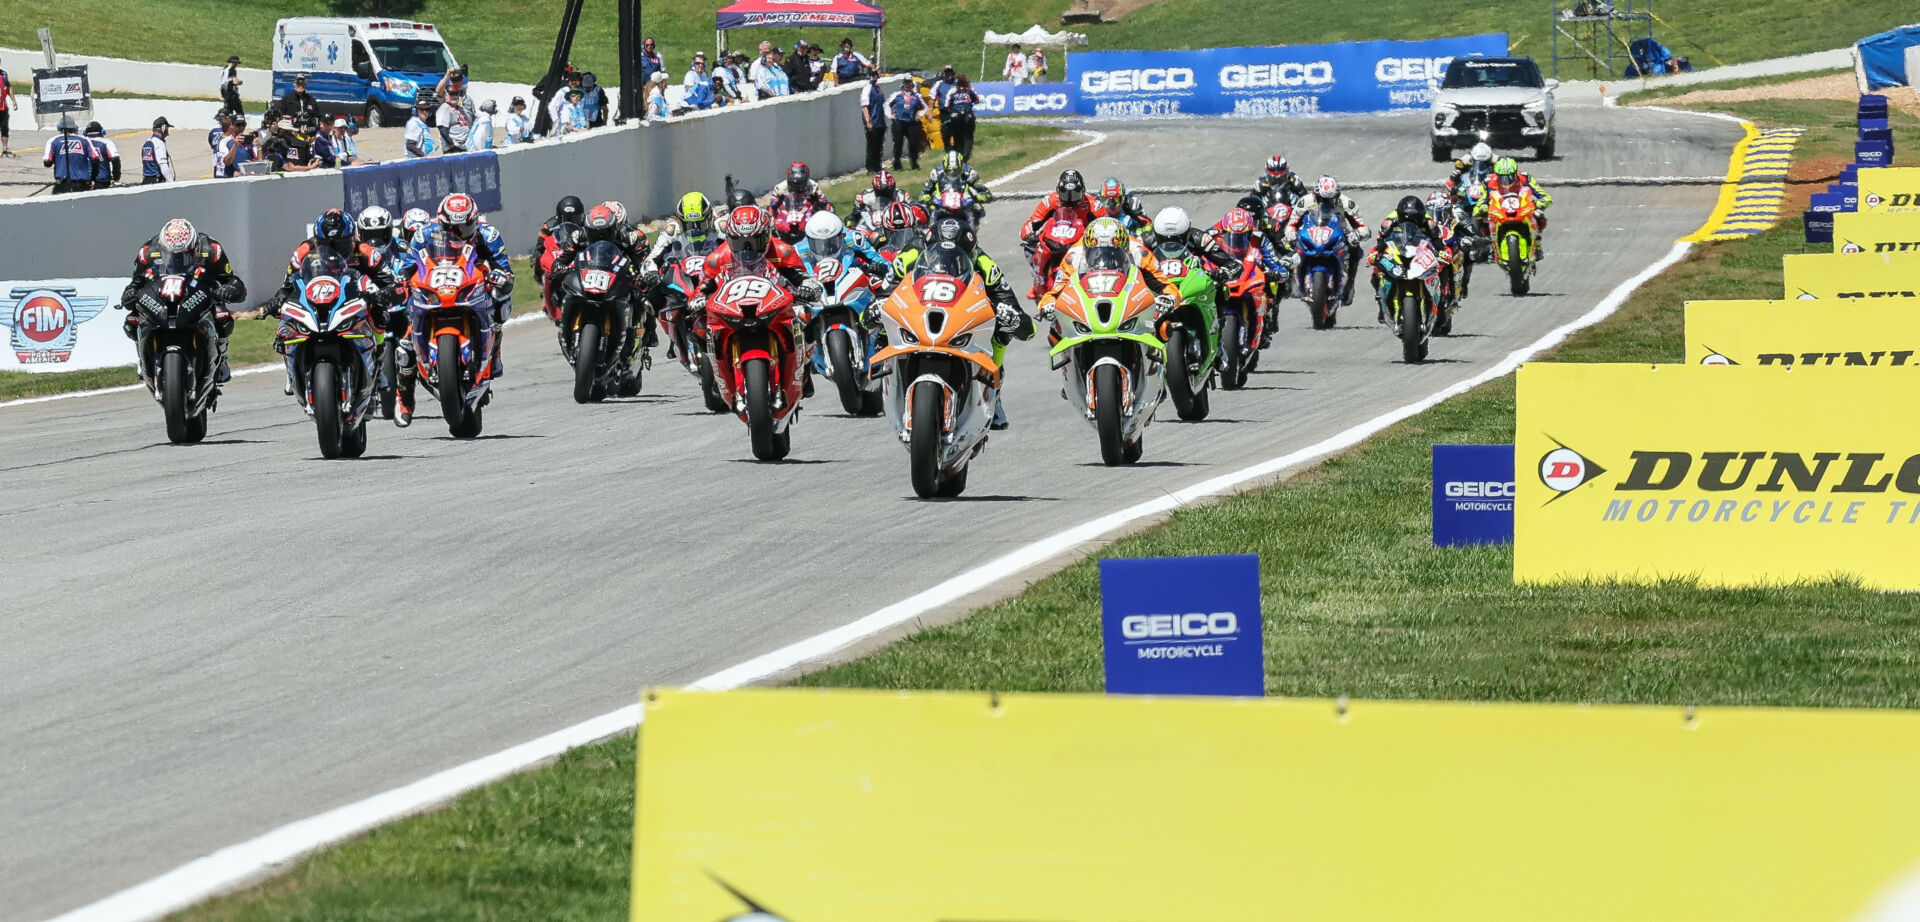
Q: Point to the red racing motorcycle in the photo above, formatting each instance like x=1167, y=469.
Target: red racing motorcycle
x=757, y=358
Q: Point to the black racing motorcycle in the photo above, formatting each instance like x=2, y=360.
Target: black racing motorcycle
x=178, y=343
x=596, y=295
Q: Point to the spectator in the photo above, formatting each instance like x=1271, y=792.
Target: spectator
x=850, y=65
x=455, y=117
x=697, y=75
x=6, y=110
x=419, y=135
x=960, y=102
x=328, y=152
x=733, y=70
x=700, y=96
x=224, y=118
x=297, y=101
x=481, y=137
x=519, y=126
x=1016, y=67
x=294, y=152
x=230, y=84
x=594, y=101
x=657, y=94
x=574, y=80
x=650, y=63
x=1036, y=65
x=721, y=96
x=72, y=158
x=236, y=149
x=768, y=76
x=106, y=170
x=274, y=137
x=816, y=67
x=573, y=116
x=873, y=114
x=799, y=72
x=941, y=88
x=906, y=107
x=757, y=74
x=156, y=165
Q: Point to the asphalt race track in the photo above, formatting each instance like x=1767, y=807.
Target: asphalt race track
x=203, y=643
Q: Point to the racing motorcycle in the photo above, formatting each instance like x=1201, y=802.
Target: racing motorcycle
x=551, y=244
x=327, y=335
x=684, y=317
x=790, y=221
x=1242, y=305
x=1191, y=331
x=1105, y=346
x=451, y=315
x=1322, y=247
x=1410, y=269
x=1044, y=252
x=1510, y=216
x=757, y=358
x=597, y=314
x=846, y=345
x=940, y=378
x=179, y=346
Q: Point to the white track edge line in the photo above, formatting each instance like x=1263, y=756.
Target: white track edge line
x=204, y=877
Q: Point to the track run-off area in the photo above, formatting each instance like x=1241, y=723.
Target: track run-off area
x=206, y=643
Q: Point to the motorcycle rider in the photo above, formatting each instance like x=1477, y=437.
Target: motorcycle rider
x=1239, y=233
x=569, y=210
x=603, y=225
x=692, y=232
x=1172, y=225
x=737, y=196
x=1070, y=194
x=1477, y=166
x=799, y=189
x=458, y=219
x=208, y=262
x=827, y=237
x=1507, y=180
x=950, y=245
x=1411, y=214
x=955, y=173
x=1115, y=200
x=1279, y=183
x=335, y=231
x=1108, y=232
x=868, y=205
x=1327, y=197
x=1452, y=218
x=751, y=244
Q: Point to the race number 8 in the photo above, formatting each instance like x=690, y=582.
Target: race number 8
x=746, y=289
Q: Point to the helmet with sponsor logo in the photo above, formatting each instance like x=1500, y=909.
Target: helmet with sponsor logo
x=177, y=235
x=619, y=210
x=375, y=225
x=695, y=213
x=798, y=176
x=899, y=216
x=413, y=220
x=602, y=224
x=883, y=183
x=1482, y=153
x=1236, y=231
x=1327, y=190
x=1410, y=210
x=334, y=229
x=748, y=230
x=1071, y=188
x=826, y=234
x=1105, y=232
x=459, y=215
x=1439, y=203
x=1277, y=169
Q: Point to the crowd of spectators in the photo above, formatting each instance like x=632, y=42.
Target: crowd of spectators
x=734, y=78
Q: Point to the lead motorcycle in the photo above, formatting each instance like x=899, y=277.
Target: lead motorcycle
x=597, y=316
x=940, y=378
x=179, y=345
x=328, y=336
x=758, y=360
x=450, y=312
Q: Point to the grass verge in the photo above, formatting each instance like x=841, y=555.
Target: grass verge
x=1654, y=93
x=1357, y=603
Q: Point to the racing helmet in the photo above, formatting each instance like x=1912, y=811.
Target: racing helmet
x=1439, y=203
x=1482, y=153
x=1327, y=190
x=177, y=235
x=569, y=210
x=601, y=224
x=375, y=225
x=953, y=164
x=1506, y=172
x=1071, y=188
x=748, y=230
x=1172, y=221
x=739, y=196
x=619, y=210
x=884, y=184
x=1113, y=191
x=1410, y=209
x=951, y=230
x=826, y=234
x=1105, y=232
x=1236, y=231
x=459, y=215
x=413, y=220
x=898, y=216
x=695, y=214
x=1277, y=169
x=798, y=176
x=334, y=229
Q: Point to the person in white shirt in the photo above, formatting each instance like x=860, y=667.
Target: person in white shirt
x=657, y=96
x=697, y=73
x=1016, y=68
x=480, y=136
x=519, y=126
x=559, y=100
x=573, y=118
x=420, y=140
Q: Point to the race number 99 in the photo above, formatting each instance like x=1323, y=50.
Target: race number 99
x=746, y=289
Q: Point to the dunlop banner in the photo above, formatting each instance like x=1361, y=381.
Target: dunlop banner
x=1855, y=232
x=1734, y=476
x=1856, y=275
x=1890, y=190
x=1797, y=334
x=859, y=806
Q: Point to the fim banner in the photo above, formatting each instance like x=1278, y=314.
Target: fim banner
x=1856, y=232
x=1801, y=334
x=1183, y=626
x=1816, y=276
x=1890, y=190
x=836, y=805
x=63, y=325
x=1732, y=476
x=422, y=183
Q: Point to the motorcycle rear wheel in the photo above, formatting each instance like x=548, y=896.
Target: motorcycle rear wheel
x=923, y=445
x=767, y=444
x=709, y=391
x=1190, y=399
x=325, y=385
x=586, y=366
x=1106, y=415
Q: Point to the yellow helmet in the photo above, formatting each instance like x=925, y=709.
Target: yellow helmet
x=1105, y=232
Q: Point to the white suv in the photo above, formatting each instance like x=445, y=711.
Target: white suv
x=1502, y=101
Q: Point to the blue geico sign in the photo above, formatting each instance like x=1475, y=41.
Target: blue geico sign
x=1472, y=494
x=1022, y=99
x=1279, y=80
x=1183, y=626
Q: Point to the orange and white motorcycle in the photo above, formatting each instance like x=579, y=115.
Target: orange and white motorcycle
x=939, y=373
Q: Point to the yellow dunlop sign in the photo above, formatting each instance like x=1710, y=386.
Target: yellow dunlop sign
x=1797, y=334
x=1890, y=190
x=854, y=806
x=1863, y=275
x=1857, y=232
x=1734, y=476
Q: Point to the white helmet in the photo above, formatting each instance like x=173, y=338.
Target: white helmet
x=1482, y=153
x=825, y=233
x=375, y=225
x=1172, y=222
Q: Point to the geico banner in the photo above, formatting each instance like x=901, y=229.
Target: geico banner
x=1890, y=190
x=1881, y=232
x=1804, y=334
x=1852, y=275
x=1025, y=99
x=63, y=324
x=1277, y=80
x=865, y=806
x=1733, y=476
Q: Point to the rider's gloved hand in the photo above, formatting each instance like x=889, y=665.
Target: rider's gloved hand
x=502, y=282
x=810, y=290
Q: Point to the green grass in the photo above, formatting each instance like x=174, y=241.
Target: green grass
x=1651, y=94
x=511, y=40
x=251, y=344
x=1356, y=603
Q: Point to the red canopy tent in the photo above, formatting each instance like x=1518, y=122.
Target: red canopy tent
x=799, y=14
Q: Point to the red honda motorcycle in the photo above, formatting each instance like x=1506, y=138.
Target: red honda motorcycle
x=1045, y=250
x=757, y=358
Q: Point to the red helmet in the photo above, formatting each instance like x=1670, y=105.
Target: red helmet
x=1113, y=189
x=920, y=216
x=1237, y=231
x=883, y=182
x=602, y=223
x=748, y=230
x=459, y=215
x=899, y=216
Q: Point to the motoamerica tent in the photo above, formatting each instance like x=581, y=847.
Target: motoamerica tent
x=1035, y=35
x=799, y=14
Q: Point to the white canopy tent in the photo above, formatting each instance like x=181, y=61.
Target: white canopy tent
x=1035, y=35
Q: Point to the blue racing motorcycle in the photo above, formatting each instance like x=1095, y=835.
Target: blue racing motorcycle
x=1322, y=245
x=846, y=344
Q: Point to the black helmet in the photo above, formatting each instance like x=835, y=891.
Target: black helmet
x=739, y=196
x=798, y=175
x=1253, y=204
x=1411, y=209
x=1071, y=188
x=334, y=229
x=601, y=224
x=1135, y=204
x=570, y=210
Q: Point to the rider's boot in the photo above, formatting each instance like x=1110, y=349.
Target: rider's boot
x=1000, y=423
x=403, y=391
x=223, y=374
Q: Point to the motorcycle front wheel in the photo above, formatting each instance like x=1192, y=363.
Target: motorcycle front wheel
x=1413, y=339
x=586, y=366
x=325, y=384
x=1233, y=358
x=182, y=428
x=1190, y=397
x=1320, y=302
x=1517, y=281
x=845, y=378
x=768, y=445
x=1106, y=415
x=923, y=446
